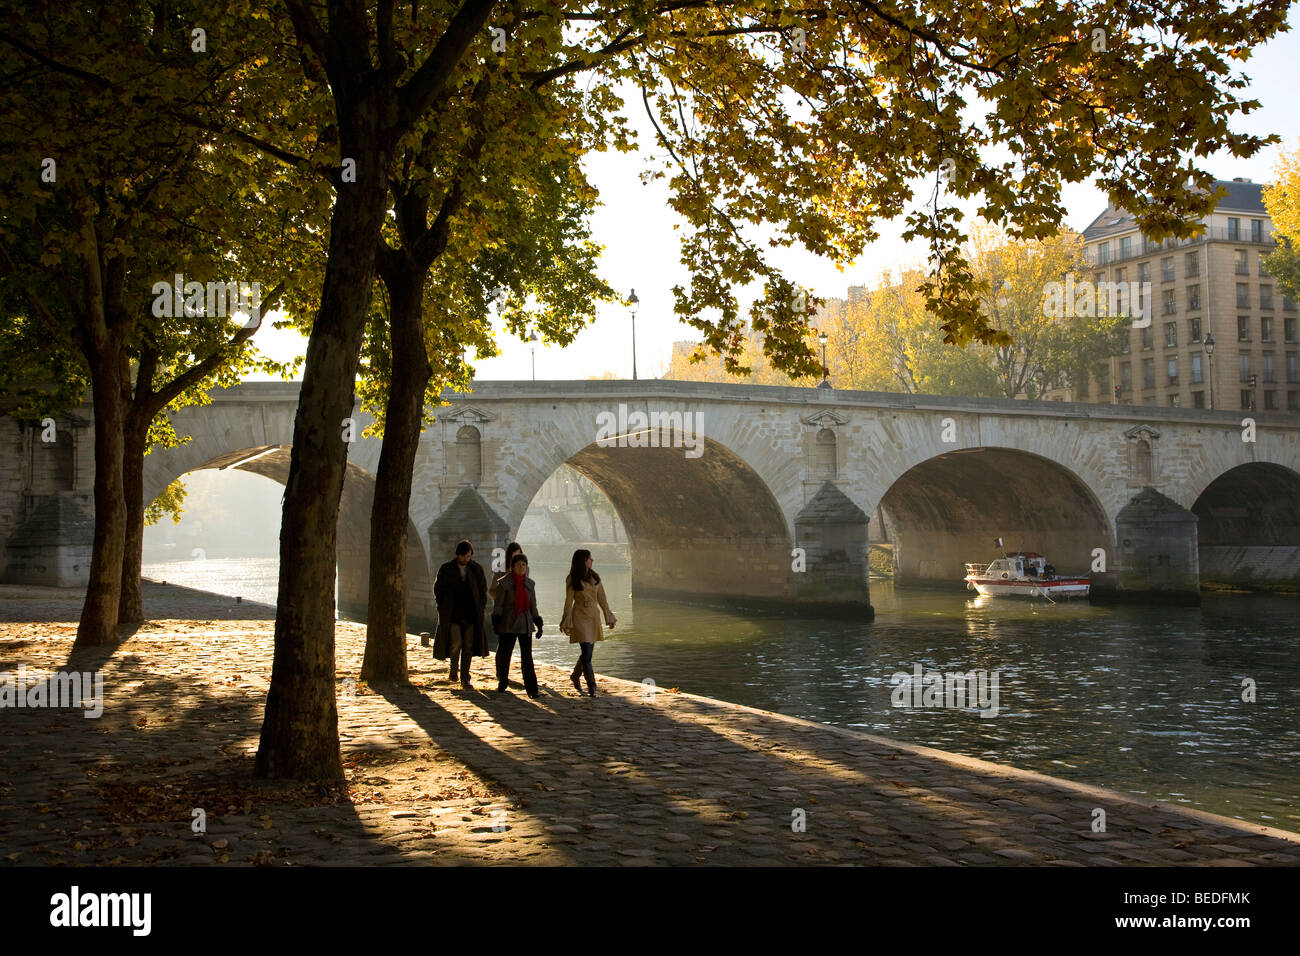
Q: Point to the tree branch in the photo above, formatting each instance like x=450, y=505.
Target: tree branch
x=432, y=77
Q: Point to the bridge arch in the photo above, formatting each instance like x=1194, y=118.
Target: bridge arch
x=1248, y=527
x=947, y=510
x=698, y=527
x=353, y=529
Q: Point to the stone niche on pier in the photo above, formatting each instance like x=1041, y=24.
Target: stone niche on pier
x=832, y=530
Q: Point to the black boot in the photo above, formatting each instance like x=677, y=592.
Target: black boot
x=591, y=681
x=577, y=670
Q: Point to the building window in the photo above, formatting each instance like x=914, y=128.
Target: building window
x=1173, y=371
x=1144, y=272
x=1234, y=229
x=1193, y=265
x=1243, y=367
x=1257, y=230
x=1121, y=275
x=1198, y=399
x=1194, y=330
x=1175, y=401
x=1169, y=302
x=1148, y=373
x=1171, y=335
x=1243, y=267
x=1245, y=399
x=1126, y=377
x=1262, y=271
x=1270, y=400
x=1243, y=328
x=1243, y=295
x=1293, y=401
x=1266, y=328
x=1268, y=367
x=1193, y=298
x=1266, y=297
x=1126, y=247
x=1288, y=303
x=1288, y=324
x=1148, y=340
x=1103, y=253
x=1101, y=375
x=1124, y=342
x=1167, y=269
x=1291, y=369
x=1197, y=377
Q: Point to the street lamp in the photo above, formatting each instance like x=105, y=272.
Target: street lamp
x=532, y=342
x=824, y=383
x=633, y=304
x=1209, y=354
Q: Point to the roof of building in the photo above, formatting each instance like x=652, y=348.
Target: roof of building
x=1243, y=196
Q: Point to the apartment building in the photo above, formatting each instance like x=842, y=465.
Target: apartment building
x=1221, y=335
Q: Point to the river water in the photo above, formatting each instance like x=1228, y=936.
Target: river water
x=1144, y=700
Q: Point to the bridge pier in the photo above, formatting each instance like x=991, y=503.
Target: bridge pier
x=1155, y=557
x=832, y=532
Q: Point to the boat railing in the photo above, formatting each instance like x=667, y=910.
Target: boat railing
x=976, y=568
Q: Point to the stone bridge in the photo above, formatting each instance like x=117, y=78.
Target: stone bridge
x=762, y=495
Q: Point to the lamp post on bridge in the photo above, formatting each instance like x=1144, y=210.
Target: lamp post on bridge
x=825, y=382
x=532, y=347
x=633, y=304
x=1209, y=354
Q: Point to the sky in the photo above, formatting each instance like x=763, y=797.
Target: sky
x=640, y=248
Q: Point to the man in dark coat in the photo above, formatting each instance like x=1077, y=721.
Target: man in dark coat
x=460, y=591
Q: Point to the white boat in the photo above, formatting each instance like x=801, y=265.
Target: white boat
x=1023, y=574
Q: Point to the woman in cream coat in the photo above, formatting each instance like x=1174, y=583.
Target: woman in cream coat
x=584, y=604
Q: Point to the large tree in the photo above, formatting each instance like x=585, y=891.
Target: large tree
x=520, y=247
x=114, y=183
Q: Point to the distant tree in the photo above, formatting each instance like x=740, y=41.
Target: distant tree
x=1282, y=199
x=1043, y=348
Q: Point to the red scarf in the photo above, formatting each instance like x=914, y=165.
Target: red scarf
x=521, y=595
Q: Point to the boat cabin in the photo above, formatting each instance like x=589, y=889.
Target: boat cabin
x=1020, y=564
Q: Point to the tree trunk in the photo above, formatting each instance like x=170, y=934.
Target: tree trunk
x=98, y=625
x=300, y=730
x=385, y=657
x=131, y=607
